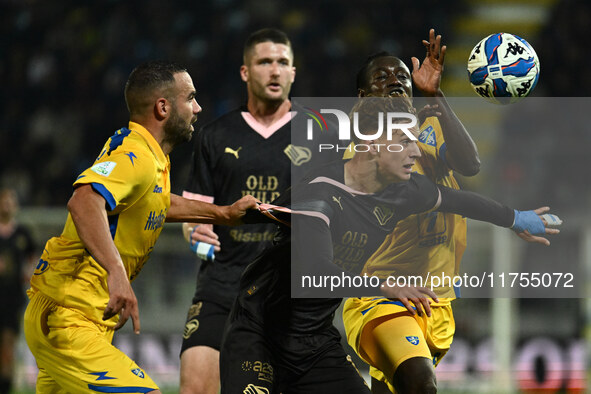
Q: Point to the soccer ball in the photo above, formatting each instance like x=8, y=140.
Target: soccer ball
x=503, y=68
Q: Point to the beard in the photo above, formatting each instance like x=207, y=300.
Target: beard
x=177, y=130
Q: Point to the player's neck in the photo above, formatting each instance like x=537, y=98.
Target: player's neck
x=267, y=113
x=361, y=175
x=154, y=127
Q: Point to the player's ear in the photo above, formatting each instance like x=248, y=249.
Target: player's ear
x=162, y=108
x=293, y=74
x=244, y=73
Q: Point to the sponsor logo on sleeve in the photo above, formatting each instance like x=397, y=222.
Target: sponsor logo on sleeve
x=105, y=168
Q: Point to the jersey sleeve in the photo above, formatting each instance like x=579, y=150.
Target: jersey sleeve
x=433, y=144
x=422, y=194
x=121, y=177
x=200, y=183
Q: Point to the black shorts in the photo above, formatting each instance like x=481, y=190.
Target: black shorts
x=204, y=325
x=253, y=360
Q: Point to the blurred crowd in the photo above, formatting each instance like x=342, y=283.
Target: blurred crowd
x=63, y=66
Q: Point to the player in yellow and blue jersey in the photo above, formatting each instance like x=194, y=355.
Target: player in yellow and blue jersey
x=431, y=242
x=80, y=291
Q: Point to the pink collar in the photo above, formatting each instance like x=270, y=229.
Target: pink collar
x=266, y=131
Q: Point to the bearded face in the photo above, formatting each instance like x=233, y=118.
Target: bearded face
x=177, y=128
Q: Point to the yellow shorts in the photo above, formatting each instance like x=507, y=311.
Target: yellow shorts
x=75, y=355
x=384, y=334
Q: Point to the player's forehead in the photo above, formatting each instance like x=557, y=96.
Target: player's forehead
x=183, y=82
x=386, y=63
x=271, y=50
x=399, y=135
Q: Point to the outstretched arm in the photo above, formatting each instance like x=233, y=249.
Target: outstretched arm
x=193, y=211
x=528, y=225
x=462, y=154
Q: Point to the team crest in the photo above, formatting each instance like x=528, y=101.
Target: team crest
x=298, y=154
x=427, y=136
x=383, y=214
x=413, y=339
x=138, y=372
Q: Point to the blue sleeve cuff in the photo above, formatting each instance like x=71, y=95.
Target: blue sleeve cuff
x=102, y=190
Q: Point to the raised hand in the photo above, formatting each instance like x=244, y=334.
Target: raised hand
x=427, y=76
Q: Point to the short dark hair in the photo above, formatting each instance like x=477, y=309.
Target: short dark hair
x=368, y=108
x=362, y=80
x=147, y=78
x=268, y=34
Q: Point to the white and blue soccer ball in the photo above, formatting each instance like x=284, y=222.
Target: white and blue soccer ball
x=503, y=68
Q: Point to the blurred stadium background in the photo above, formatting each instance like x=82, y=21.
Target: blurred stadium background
x=63, y=65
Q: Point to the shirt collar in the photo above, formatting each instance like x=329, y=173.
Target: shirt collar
x=152, y=143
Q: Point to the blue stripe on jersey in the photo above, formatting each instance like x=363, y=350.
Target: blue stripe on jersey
x=113, y=220
x=442, y=152
x=102, y=190
x=385, y=302
x=129, y=389
x=102, y=375
x=117, y=139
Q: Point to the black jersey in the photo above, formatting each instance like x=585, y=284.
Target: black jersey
x=15, y=251
x=231, y=159
x=334, y=229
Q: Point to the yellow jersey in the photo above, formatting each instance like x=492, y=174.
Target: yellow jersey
x=132, y=174
x=430, y=243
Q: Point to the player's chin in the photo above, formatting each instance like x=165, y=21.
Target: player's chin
x=275, y=95
x=403, y=177
x=189, y=133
